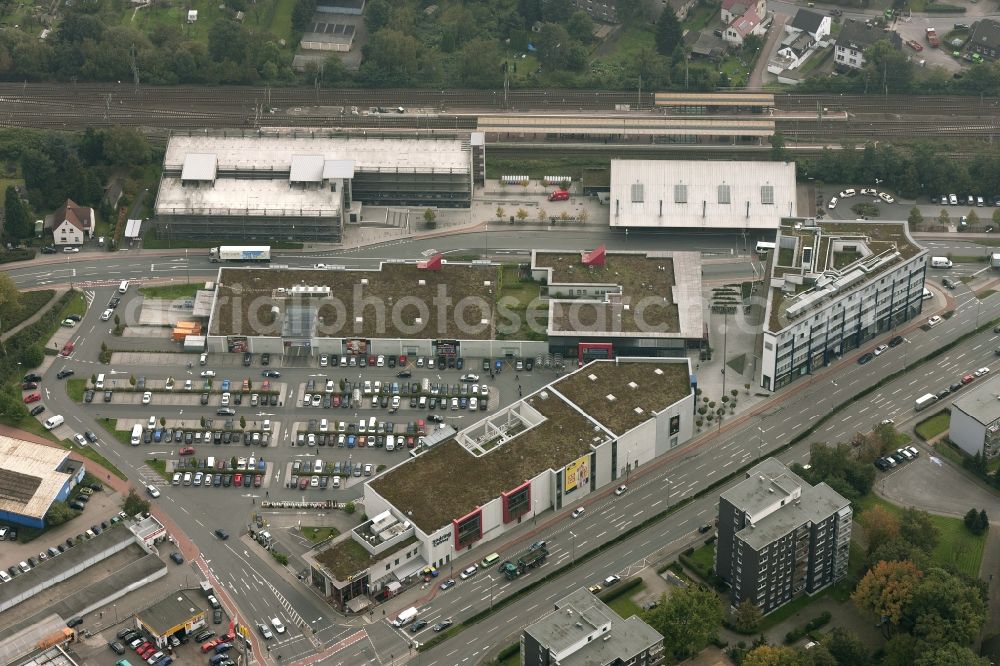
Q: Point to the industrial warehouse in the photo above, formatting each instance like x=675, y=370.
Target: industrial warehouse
x=33, y=477
x=571, y=438
x=302, y=185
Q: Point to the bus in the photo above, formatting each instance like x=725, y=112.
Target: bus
x=763, y=247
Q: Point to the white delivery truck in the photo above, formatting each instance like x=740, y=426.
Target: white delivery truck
x=54, y=421
x=924, y=401
x=136, y=434
x=940, y=262
x=405, y=617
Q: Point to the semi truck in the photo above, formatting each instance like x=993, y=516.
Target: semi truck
x=244, y=253
x=932, y=38
x=535, y=557
x=924, y=401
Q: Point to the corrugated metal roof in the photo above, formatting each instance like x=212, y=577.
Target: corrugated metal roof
x=34, y=464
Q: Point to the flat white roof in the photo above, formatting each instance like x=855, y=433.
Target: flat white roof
x=306, y=169
x=29, y=482
x=256, y=197
x=276, y=151
x=199, y=166
x=701, y=194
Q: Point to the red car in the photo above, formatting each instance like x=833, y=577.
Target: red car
x=256, y=480
x=362, y=441
x=187, y=451
x=410, y=443
x=148, y=652
x=32, y=397
x=67, y=349
x=336, y=400
x=402, y=360
x=968, y=378
x=371, y=360
x=142, y=648
x=559, y=195
x=303, y=482
x=210, y=645
x=238, y=480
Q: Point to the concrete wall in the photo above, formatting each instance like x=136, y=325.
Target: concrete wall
x=967, y=433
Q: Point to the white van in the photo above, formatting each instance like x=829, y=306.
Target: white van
x=54, y=421
x=927, y=294
x=123, y=287
x=136, y=434
x=372, y=425
x=100, y=381
x=210, y=463
x=940, y=262
x=390, y=442
x=362, y=426
x=324, y=425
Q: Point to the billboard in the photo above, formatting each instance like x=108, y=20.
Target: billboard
x=577, y=474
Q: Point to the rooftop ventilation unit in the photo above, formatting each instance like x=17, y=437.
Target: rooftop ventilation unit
x=633, y=385
x=422, y=283
x=592, y=377
x=658, y=371
x=638, y=410
x=364, y=281
x=610, y=397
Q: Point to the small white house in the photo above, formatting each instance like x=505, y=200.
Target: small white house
x=72, y=224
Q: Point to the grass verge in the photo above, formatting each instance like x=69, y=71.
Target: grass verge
x=160, y=467
x=623, y=604
x=702, y=561
x=90, y=454
x=75, y=388
x=934, y=425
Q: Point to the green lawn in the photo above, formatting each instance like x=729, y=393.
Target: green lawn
x=75, y=388
x=956, y=544
x=703, y=560
x=77, y=305
x=934, y=426
x=700, y=16
x=121, y=435
x=28, y=424
x=624, y=605
x=169, y=291
x=160, y=466
x=512, y=660
x=318, y=534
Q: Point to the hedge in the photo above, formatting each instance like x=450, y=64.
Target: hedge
x=618, y=590
x=20, y=254
x=809, y=627
x=944, y=9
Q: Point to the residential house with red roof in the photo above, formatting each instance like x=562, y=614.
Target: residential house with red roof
x=72, y=224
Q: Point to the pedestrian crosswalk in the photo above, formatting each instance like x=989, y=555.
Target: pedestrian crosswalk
x=90, y=295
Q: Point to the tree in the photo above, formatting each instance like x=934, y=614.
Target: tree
x=972, y=521
x=972, y=218
x=430, y=218
x=943, y=218
x=521, y=215
x=243, y=422
x=10, y=297
x=133, y=504
x=480, y=64
x=766, y=655
x=847, y=648
x=917, y=528
x=983, y=523
x=748, y=616
x=557, y=10
x=124, y=146
x=778, y=152
x=303, y=11
x=580, y=27
x=17, y=222
x=31, y=357
x=500, y=213
x=542, y=215
x=901, y=650
x=11, y=404
x=944, y=607
x=227, y=40
x=688, y=620
x=915, y=219
x=377, y=15
x=349, y=508
x=996, y=217
x=880, y=526
x=886, y=589
x=949, y=654
x=58, y=514
x=668, y=32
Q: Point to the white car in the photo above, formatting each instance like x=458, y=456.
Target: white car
x=153, y=492
x=107, y=314
x=578, y=511
x=887, y=422
x=68, y=323
x=869, y=190
x=225, y=399
x=886, y=197
x=620, y=490
x=69, y=250
x=80, y=440
x=878, y=350
x=188, y=385
x=832, y=203
x=208, y=373
x=380, y=362
x=847, y=193
x=278, y=626
x=265, y=632
x=147, y=397
x=469, y=573
x=934, y=321
x=307, y=399
x=981, y=371
x=317, y=400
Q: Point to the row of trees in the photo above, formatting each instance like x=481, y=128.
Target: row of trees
x=911, y=170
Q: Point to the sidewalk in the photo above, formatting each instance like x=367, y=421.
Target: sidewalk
x=59, y=291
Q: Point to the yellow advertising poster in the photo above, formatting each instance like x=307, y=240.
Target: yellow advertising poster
x=577, y=474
